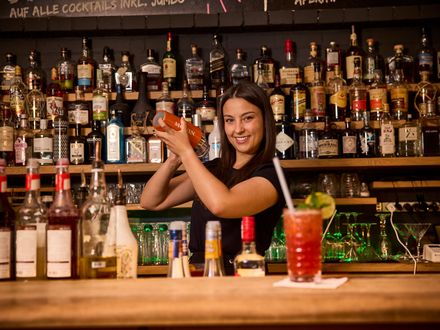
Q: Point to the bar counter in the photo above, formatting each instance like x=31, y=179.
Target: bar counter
x=402, y=301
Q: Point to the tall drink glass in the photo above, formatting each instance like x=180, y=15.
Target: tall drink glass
x=303, y=229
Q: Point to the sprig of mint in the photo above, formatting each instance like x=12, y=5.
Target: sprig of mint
x=312, y=204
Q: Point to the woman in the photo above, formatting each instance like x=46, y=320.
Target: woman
x=241, y=182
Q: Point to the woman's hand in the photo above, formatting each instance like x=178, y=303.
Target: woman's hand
x=176, y=141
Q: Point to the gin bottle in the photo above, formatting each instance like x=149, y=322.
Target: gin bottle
x=387, y=143
x=194, y=69
x=136, y=147
x=61, y=136
x=348, y=140
x=115, y=145
x=308, y=138
x=285, y=143
x=30, y=229
x=43, y=144
x=367, y=141
x=410, y=138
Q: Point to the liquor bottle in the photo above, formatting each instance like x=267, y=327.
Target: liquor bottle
x=175, y=262
x=261, y=77
x=248, y=263
x=409, y=138
x=213, y=262
x=106, y=70
x=358, y=93
x=333, y=58
x=214, y=141
x=85, y=68
x=125, y=74
x=426, y=94
x=206, y=107
x=407, y=65
x=30, y=229
x=153, y=70
x=97, y=240
x=82, y=192
x=60, y=136
x=34, y=74
x=126, y=243
x=6, y=135
x=100, y=100
x=185, y=251
x=115, y=145
x=348, y=141
x=217, y=61
x=378, y=95
x=62, y=227
x=54, y=95
x=94, y=138
x=430, y=131
x=43, y=144
x=277, y=100
x=425, y=55
x=185, y=105
x=328, y=142
x=78, y=111
x=169, y=64
x=312, y=61
x=135, y=147
x=239, y=69
x=373, y=62
x=194, y=69
x=121, y=107
x=337, y=92
x=23, y=144
x=17, y=95
x=299, y=99
x=353, y=52
x=155, y=150
x=387, y=143
x=7, y=223
x=267, y=66
x=78, y=147
x=399, y=93
x=35, y=107
x=8, y=72
x=142, y=109
x=317, y=96
x=289, y=69
x=285, y=143
x=165, y=102
x=308, y=138
x=367, y=142
x=66, y=71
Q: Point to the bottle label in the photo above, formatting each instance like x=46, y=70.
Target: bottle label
x=113, y=143
x=387, y=143
x=214, y=150
x=136, y=150
x=317, y=100
x=32, y=181
x=44, y=144
x=408, y=134
x=358, y=105
x=349, y=61
x=299, y=103
x=309, y=74
x=5, y=253
x=399, y=99
x=249, y=272
x=6, y=138
x=17, y=103
x=125, y=262
x=165, y=106
x=349, y=144
x=152, y=69
x=426, y=59
x=20, y=147
x=62, y=181
x=206, y=113
x=53, y=106
x=155, y=151
x=217, y=63
x=77, y=152
x=308, y=143
x=370, y=66
x=212, y=249
x=283, y=142
x=169, y=68
x=339, y=99
x=288, y=76
x=100, y=107
x=332, y=58
x=3, y=184
x=124, y=78
x=277, y=102
x=367, y=142
x=78, y=116
x=26, y=251
x=84, y=74
x=268, y=72
x=328, y=147
x=8, y=75
x=378, y=97
x=59, y=240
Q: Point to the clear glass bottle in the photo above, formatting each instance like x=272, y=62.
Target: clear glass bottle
x=214, y=141
x=267, y=67
x=377, y=95
x=289, y=69
x=312, y=61
x=66, y=71
x=54, y=95
x=153, y=70
x=354, y=52
x=213, y=263
x=373, y=62
x=78, y=147
x=122, y=108
x=308, y=138
x=125, y=74
x=62, y=228
x=43, y=144
x=17, y=95
x=194, y=69
x=261, y=77
x=425, y=55
x=6, y=134
x=97, y=241
x=217, y=61
x=78, y=111
x=169, y=64
x=155, y=150
x=367, y=141
x=34, y=75
x=30, y=229
x=115, y=142
x=348, y=141
x=135, y=147
x=317, y=95
x=239, y=69
x=399, y=93
x=185, y=105
x=358, y=93
x=407, y=65
x=85, y=68
x=387, y=141
x=248, y=263
x=206, y=106
x=175, y=263
x=409, y=138
x=337, y=95
x=106, y=70
x=426, y=94
x=285, y=143
x=94, y=138
x=333, y=55
x=299, y=100
x=8, y=72
x=61, y=135
x=328, y=142
x=35, y=102
x=23, y=144
x=100, y=101
x=7, y=224
x=165, y=102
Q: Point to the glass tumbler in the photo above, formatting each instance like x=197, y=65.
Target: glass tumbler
x=328, y=183
x=350, y=185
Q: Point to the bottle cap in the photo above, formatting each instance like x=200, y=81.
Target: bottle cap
x=288, y=46
x=247, y=229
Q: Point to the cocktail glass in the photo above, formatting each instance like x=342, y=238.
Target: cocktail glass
x=369, y=253
x=303, y=230
x=418, y=230
x=405, y=234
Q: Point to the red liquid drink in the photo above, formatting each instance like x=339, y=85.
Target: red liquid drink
x=303, y=230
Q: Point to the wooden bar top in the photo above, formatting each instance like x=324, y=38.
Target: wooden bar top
x=229, y=301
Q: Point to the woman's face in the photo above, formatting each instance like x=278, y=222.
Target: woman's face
x=244, y=125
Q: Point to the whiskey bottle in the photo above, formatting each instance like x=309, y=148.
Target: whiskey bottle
x=317, y=95
x=399, y=93
x=312, y=61
x=165, y=102
x=97, y=240
x=248, y=263
x=217, y=61
x=35, y=102
x=85, y=68
x=115, y=144
x=289, y=69
x=354, y=52
x=54, y=96
x=78, y=147
x=213, y=263
x=121, y=107
x=78, y=111
x=6, y=135
x=277, y=100
x=185, y=105
x=377, y=95
x=430, y=131
x=34, y=74
x=153, y=70
x=299, y=100
x=357, y=92
x=407, y=65
x=348, y=141
x=308, y=138
x=328, y=141
x=66, y=71
x=106, y=70
x=125, y=74
x=409, y=138
x=8, y=73
x=267, y=66
x=194, y=69
x=135, y=147
x=94, y=138
x=333, y=59
x=62, y=228
x=43, y=144
x=206, y=107
x=17, y=95
x=23, y=144
x=239, y=69
x=337, y=92
x=142, y=110
x=285, y=143
x=30, y=229
x=367, y=142
x=373, y=62
x=169, y=64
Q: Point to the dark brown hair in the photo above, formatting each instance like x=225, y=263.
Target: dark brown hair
x=266, y=151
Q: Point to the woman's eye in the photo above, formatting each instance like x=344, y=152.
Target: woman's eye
x=228, y=120
x=248, y=118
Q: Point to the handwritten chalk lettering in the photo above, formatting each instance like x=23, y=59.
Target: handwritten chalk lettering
x=41, y=11
x=132, y=4
x=155, y=3
x=19, y=12
x=90, y=7
x=311, y=2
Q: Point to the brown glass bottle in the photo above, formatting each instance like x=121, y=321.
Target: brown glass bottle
x=268, y=66
x=299, y=100
x=353, y=52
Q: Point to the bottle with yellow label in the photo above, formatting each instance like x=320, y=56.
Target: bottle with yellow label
x=337, y=93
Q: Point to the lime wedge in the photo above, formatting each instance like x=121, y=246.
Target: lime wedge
x=322, y=201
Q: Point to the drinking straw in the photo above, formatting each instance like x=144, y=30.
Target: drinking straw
x=283, y=183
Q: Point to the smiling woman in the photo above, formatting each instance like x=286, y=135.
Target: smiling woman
x=242, y=182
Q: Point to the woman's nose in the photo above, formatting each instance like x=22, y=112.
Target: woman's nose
x=238, y=126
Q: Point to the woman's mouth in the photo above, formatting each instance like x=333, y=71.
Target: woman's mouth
x=241, y=139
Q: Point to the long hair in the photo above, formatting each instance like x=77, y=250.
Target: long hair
x=266, y=151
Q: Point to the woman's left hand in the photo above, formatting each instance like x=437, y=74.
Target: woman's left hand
x=176, y=141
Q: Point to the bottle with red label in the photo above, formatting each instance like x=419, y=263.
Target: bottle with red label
x=62, y=229
x=358, y=93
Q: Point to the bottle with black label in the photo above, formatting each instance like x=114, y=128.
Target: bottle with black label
x=328, y=142
x=286, y=144
x=78, y=147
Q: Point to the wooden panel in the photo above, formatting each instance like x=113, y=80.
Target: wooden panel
x=405, y=184
x=348, y=201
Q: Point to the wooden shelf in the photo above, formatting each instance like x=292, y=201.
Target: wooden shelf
x=405, y=184
x=348, y=201
x=137, y=207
